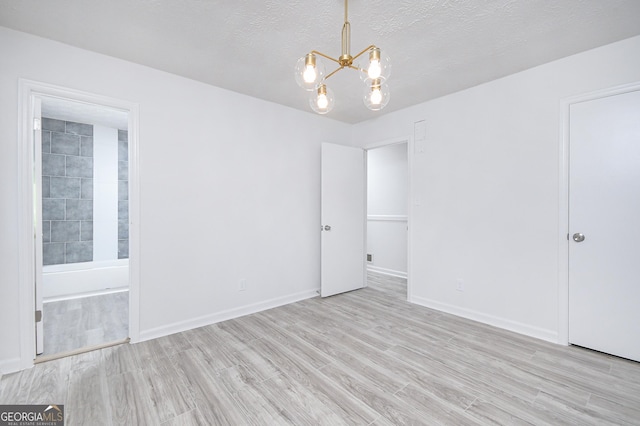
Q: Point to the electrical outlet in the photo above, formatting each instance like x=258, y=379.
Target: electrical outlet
x=459, y=284
x=242, y=285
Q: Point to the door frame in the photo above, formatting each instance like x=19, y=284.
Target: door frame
x=563, y=199
x=410, y=150
x=28, y=91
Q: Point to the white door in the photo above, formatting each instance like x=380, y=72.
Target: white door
x=604, y=225
x=37, y=223
x=343, y=212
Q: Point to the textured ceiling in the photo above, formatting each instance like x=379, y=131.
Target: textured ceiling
x=251, y=46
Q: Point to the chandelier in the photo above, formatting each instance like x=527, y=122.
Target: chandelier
x=310, y=74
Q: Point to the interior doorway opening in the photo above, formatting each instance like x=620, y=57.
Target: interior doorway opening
x=83, y=206
x=78, y=237
x=388, y=218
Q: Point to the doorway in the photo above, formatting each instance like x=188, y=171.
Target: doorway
x=78, y=236
x=84, y=226
x=387, y=218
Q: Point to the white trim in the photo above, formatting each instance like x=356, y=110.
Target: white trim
x=563, y=200
x=385, y=271
x=229, y=314
x=386, y=142
x=26, y=243
x=410, y=215
x=537, y=332
x=28, y=90
x=388, y=217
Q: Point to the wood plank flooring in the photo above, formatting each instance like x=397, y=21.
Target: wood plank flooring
x=362, y=358
x=86, y=321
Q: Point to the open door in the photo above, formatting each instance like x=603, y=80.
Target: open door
x=343, y=213
x=37, y=220
x=604, y=206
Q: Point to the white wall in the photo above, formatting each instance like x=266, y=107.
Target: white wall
x=486, y=180
x=229, y=189
x=387, y=189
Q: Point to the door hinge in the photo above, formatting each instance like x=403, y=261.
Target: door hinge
x=38, y=316
x=37, y=124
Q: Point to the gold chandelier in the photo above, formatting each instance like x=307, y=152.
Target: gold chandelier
x=310, y=74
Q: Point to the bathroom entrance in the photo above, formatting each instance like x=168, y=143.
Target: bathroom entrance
x=84, y=225
x=80, y=221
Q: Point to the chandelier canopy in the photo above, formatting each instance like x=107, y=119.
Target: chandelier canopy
x=310, y=73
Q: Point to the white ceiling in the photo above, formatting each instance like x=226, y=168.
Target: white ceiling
x=251, y=46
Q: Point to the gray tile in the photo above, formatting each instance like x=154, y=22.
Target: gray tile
x=86, y=189
x=81, y=251
x=123, y=170
x=86, y=230
x=64, y=143
x=79, y=128
x=52, y=253
x=46, y=187
x=79, y=209
x=64, y=187
x=46, y=142
x=123, y=210
x=123, y=147
x=63, y=231
x=123, y=249
x=123, y=135
x=53, y=165
x=123, y=190
x=53, y=209
x=46, y=231
x=123, y=229
x=86, y=146
x=52, y=124
x=79, y=166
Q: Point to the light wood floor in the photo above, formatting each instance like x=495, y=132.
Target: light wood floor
x=366, y=357
x=87, y=321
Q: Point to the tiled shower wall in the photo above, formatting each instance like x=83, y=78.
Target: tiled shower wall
x=67, y=192
x=123, y=194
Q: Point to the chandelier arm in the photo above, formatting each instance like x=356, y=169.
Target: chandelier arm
x=365, y=50
x=325, y=56
x=335, y=71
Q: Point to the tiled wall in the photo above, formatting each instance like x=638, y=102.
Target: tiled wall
x=123, y=194
x=67, y=192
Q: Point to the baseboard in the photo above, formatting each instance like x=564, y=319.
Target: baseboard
x=205, y=320
x=384, y=271
x=527, y=330
x=10, y=366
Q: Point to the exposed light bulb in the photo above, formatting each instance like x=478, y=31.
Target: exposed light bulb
x=322, y=101
x=376, y=96
x=309, y=75
x=375, y=70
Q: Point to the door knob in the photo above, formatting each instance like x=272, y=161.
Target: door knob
x=327, y=228
x=578, y=237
